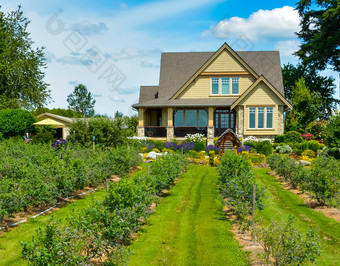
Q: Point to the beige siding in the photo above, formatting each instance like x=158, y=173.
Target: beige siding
x=262, y=96
x=200, y=88
x=225, y=62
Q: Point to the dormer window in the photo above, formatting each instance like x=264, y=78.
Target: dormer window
x=225, y=86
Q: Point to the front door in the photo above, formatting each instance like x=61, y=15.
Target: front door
x=224, y=119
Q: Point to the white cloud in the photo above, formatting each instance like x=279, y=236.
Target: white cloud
x=206, y=33
x=146, y=64
x=88, y=28
x=123, y=5
x=287, y=48
x=276, y=23
x=133, y=52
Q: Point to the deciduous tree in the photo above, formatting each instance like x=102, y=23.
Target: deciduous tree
x=21, y=66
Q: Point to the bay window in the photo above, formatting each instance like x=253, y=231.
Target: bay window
x=191, y=118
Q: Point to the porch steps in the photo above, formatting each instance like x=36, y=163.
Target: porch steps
x=228, y=145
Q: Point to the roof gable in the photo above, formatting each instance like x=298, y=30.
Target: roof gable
x=252, y=87
x=224, y=47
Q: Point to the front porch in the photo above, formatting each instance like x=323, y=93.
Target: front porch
x=178, y=122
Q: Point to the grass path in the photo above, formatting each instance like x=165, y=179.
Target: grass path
x=281, y=203
x=188, y=226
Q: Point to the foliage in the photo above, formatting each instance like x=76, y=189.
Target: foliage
x=315, y=83
x=118, y=114
x=45, y=134
x=33, y=175
x=263, y=147
x=334, y=152
x=81, y=101
x=319, y=33
x=185, y=146
x=15, y=122
x=194, y=137
x=292, y=136
x=306, y=107
x=308, y=153
x=237, y=180
x=322, y=180
x=284, y=149
x=57, y=111
x=279, y=138
x=106, y=225
x=283, y=244
x=333, y=131
x=199, y=146
x=21, y=77
x=107, y=132
x=318, y=129
x=213, y=148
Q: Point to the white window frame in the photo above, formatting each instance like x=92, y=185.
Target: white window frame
x=231, y=80
x=264, y=117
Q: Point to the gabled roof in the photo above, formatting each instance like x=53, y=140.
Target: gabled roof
x=178, y=68
x=64, y=119
x=228, y=130
x=270, y=86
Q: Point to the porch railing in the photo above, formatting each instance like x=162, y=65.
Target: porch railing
x=155, y=131
x=183, y=131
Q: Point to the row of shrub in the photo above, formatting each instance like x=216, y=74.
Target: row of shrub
x=101, y=231
x=35, y=175
x=321, y=180
x=293, y=247
x=236, y=185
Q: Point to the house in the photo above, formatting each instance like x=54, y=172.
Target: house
x=60, y=123
x=209, y=92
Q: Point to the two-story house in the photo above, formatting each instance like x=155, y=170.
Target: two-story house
x=209, y=92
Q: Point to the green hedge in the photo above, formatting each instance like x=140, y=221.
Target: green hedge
x=15, y=122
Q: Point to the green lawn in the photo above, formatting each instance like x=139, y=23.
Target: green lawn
x=189, y=227
x=281, y=203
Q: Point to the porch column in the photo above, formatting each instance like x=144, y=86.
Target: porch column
x=170, y=126
x=210, y=131
x=240, y=121
x=140, y=127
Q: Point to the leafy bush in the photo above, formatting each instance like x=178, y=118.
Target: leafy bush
x=292, y=136
x=323, y=181
x=284, y=149
x=199, y=146
x=107, y=132
x=283, y=244
x=45, y=134
x=298, y=151
x=333, y=131
x=279, y=139
x=237, y=180
x=334, y=152
x=264, y=147
x=15, y=122
x=308, y=153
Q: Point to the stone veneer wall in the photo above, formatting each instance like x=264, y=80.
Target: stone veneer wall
x=210, y=136
x=280, y=120
x=169, y=133
x=240, y=121
x=140, y=132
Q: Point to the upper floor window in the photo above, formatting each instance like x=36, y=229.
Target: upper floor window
x=215, y=86
x=235, y=85
x=225, y=86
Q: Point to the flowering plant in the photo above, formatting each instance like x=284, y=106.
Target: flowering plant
x=194, y=137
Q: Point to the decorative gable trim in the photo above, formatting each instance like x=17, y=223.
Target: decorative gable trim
x=265, y=81
x=225, y=46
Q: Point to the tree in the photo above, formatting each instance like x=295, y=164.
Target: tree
x=118, y=114
x=57, y=111
x=314, y=82
x=320, y=33
x=81, y=101
x=333, y=131
x=15, y=122
x=21, y=75
x=306, y=107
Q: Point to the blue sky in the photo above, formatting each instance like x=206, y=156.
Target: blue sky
x=113, y=47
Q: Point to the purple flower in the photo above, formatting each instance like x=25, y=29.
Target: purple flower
x=243, y=148
x=212, y=148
